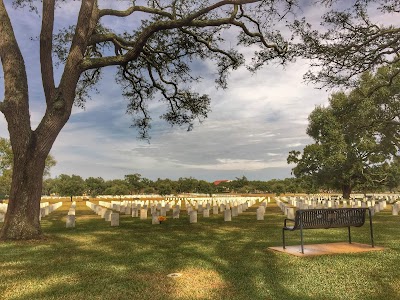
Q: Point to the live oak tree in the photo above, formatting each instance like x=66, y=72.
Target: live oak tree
x=152, y=55
x=356, y=136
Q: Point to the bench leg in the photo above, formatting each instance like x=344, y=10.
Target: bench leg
x=283, y=238
x=370, y=228
x=349, y=235
x=301, y=238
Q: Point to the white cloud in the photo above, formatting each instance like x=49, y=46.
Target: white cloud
x=237, y=165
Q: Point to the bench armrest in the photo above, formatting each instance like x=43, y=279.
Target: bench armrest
x=288, y=220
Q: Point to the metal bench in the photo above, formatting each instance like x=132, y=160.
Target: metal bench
x=327, y=218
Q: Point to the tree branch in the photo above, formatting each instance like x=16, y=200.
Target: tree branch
x=15, y=105
x=46, y=45
x=207, y=44
x=59, y=111
x=131, y=10
x=87, y=20
x=147, y=32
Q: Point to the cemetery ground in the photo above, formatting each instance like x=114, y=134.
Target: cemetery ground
x=217, y=260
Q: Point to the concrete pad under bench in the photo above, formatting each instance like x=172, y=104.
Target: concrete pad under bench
x=330, y=248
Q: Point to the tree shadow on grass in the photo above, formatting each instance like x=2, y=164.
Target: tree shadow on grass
x=217, y=259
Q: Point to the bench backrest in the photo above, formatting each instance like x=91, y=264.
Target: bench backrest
x=329, y=218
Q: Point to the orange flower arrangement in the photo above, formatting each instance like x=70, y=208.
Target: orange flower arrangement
x=161, y=218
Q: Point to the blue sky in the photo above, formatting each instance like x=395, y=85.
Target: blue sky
x=252, y=127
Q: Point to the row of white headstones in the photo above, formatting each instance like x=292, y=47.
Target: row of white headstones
x=289, y=205
x=229, y=207
x=45, y=209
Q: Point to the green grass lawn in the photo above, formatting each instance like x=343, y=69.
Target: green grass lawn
x=217, y=259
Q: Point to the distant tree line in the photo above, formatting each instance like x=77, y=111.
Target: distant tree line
x=74, y=185
x=66, y=185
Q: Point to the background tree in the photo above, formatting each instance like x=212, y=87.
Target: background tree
x=6, y=165
x=355, y=141
x=134, y=182
x=117, y=187
x=148, y=186
x=166, y=186
x=153, y=60
x=205, y=187
x=95, y=186
x=6, y=160
x=49, y=186
x=187, y=185
x=70, y=186
x=393, y=180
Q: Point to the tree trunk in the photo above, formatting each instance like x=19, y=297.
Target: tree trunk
x=22, y=217
x=30, y=148
x=346, y=191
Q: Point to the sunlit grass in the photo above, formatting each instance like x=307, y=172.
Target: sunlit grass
x=217, y=259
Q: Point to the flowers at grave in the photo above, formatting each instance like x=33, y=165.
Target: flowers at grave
x=162, y=219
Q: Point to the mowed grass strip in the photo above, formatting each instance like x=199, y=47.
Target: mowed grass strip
x=217, y=260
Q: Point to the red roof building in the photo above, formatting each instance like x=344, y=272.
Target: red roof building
x=216, y=182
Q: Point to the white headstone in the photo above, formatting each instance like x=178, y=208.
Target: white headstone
x=163, y=211
x=260, y=213
x=235, y=211
x=193, y=216
x=395, y=210
x=154, y=219
x=135, y=213
x=175, y=212
x=107, y=215
x=143, y=214
x=114, y=219
x=290, y=213
x=227, y=215
x=70, y=221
